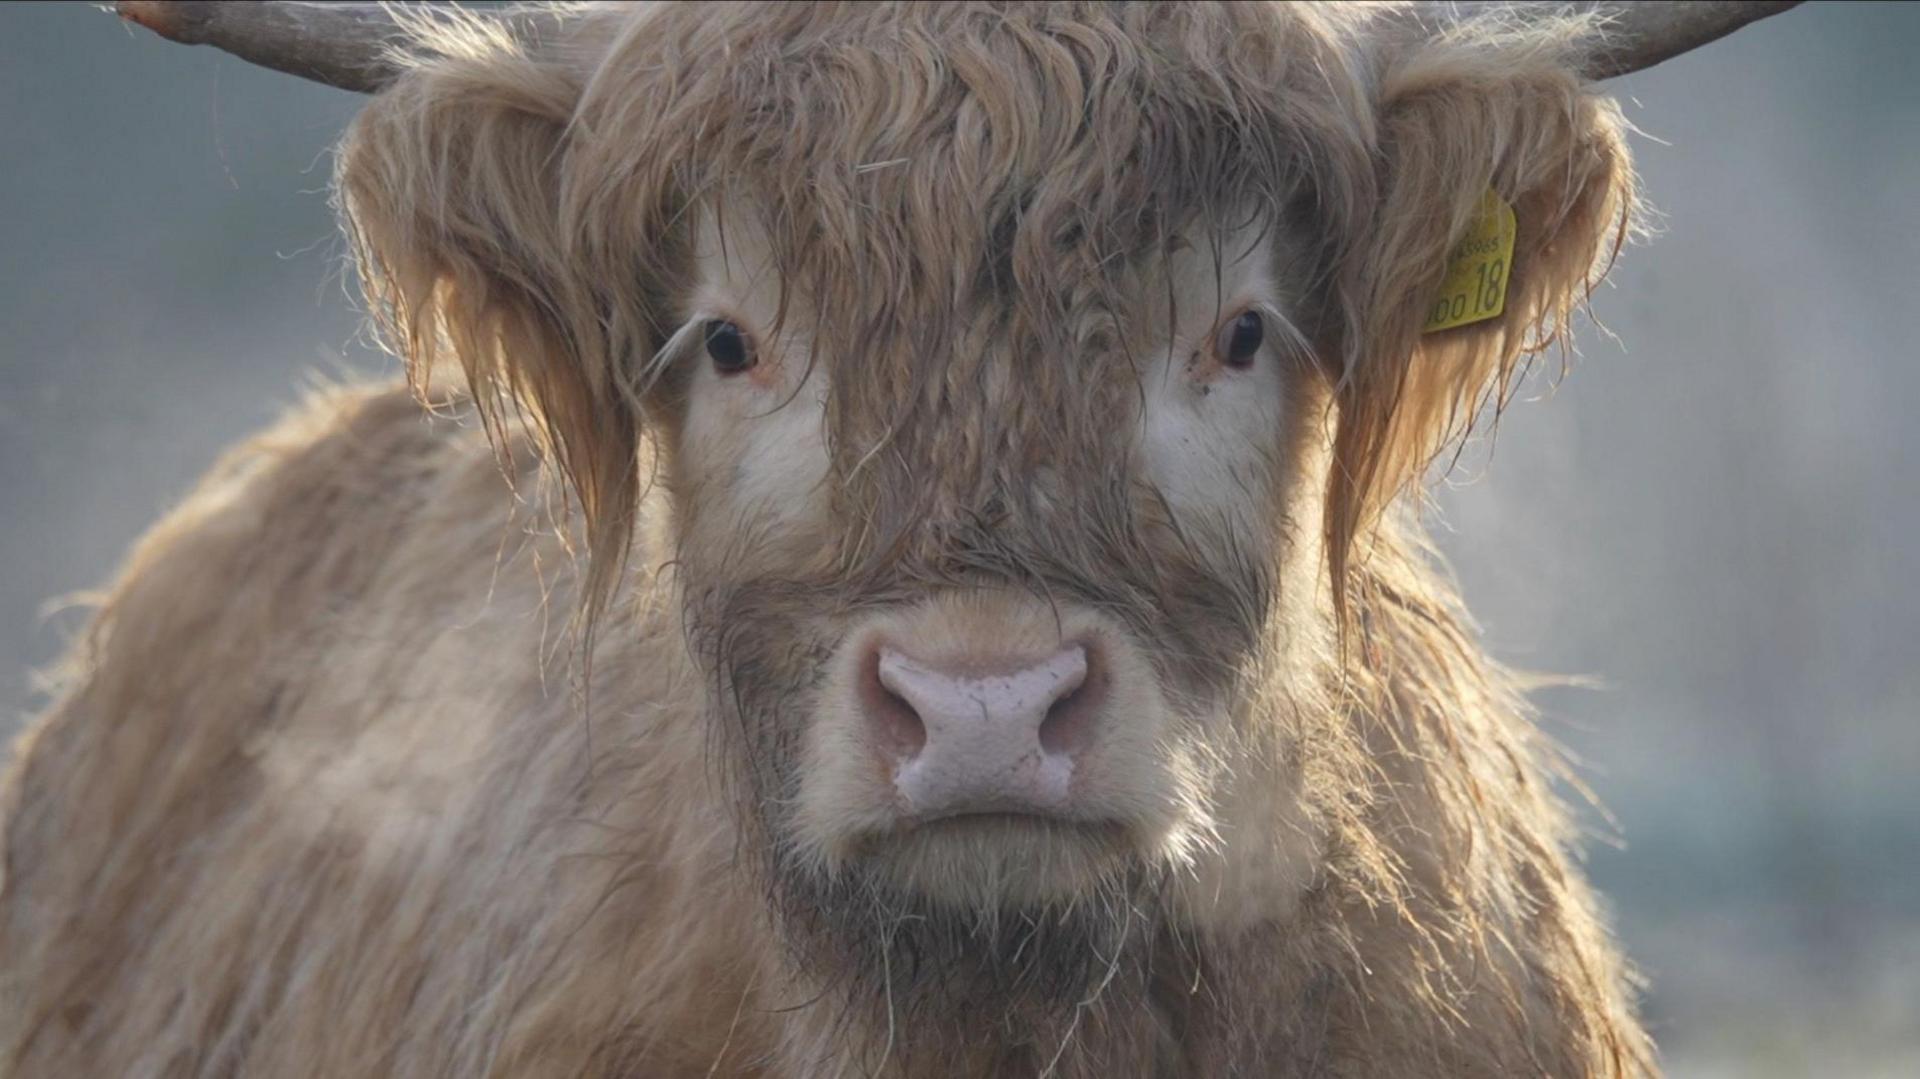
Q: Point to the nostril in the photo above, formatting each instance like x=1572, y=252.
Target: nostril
x=984, y=730
x=1069, y=722
x=899, y=726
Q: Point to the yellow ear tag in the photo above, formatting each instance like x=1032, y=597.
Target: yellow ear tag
x=1476, y=284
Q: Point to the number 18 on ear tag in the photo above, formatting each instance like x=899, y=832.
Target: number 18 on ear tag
x=1476, y=284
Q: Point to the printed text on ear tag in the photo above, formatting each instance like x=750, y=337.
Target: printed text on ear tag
x=1476, y=284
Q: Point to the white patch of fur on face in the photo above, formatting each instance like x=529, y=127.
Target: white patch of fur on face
x=1212, y=442
x=1210, y=433
x=1267, y=851
x=753, y=440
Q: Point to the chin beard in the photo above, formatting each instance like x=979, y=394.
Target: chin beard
x=897, y=958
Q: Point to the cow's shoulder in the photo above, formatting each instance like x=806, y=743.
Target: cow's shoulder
x=301, y=671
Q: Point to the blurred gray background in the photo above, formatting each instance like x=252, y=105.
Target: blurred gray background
x=1715, y=515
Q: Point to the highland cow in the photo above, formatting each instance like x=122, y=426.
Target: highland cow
x=955, y=603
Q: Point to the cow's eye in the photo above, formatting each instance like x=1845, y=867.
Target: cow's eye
x=1241, y=338
x=730, y=347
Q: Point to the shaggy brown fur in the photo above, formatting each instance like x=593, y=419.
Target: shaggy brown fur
x=317, y=800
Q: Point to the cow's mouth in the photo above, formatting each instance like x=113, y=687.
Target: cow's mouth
x=983, y=859
x=987, y=824
x=994, y=825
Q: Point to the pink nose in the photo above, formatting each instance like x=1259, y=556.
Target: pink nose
x=984, y=738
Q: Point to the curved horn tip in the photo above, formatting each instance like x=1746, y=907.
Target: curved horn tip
x=174, y=20
x=1633, y=35
x=344, y=45
x=1636, y=36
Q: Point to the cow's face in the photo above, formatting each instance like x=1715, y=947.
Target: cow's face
x=1023, y=377
x=981, y=623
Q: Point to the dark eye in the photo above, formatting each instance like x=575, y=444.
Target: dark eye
x=1241, y=338
x=730, y=347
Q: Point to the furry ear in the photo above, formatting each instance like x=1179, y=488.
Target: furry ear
x=451, y=184
x=1488, y=105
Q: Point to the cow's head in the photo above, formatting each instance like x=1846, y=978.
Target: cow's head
x=1024, y=381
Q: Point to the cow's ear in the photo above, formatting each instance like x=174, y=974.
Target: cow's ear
x=451, y=183
x=1480, y=109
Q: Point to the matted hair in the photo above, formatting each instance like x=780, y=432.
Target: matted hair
x=527, y=206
